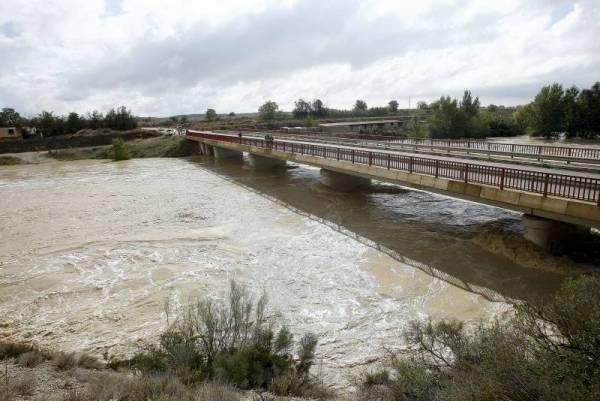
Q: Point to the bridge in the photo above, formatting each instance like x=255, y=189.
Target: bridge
x=554, y=204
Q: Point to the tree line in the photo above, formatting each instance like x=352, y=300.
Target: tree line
x=47, y=123
x=555, y=110
x=317, y=109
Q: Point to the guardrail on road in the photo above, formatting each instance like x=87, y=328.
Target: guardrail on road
x=508, y=148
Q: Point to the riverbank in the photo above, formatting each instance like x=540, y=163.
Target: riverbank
x=163, y=146
x=34, y=374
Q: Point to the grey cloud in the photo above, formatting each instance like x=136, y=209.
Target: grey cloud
x=277, y=41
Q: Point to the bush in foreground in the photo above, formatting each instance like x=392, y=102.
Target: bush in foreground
x=236, y=343
x=120, y=150
x=546, y=352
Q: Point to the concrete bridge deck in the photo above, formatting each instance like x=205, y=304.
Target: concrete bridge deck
x=546, y=193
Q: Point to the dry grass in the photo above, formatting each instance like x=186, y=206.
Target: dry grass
x=64, y=361
x=25, y=385
x=7, y=393
x=10, y=161
x=14, y=350
x=215, y=392
x=89, y=362
x=76, y=395
x=31, y=359
x=107, y=386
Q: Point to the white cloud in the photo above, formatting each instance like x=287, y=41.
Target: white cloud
x=169, y=57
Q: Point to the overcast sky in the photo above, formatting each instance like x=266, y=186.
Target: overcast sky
x=179, y=56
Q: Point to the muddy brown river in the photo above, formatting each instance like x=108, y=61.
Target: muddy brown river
x=90, y=251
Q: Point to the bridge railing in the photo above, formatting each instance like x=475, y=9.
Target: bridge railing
x=547, y=184
x=509, y=148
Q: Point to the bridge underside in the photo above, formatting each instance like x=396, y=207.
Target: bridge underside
x=257, y=161
x=343, y=182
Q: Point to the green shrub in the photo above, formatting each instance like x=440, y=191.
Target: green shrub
x=234, y=342
x=548, y=351
x=120, y=150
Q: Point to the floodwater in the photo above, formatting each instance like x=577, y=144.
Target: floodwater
x=90, y=251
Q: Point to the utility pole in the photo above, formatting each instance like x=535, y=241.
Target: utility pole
x=409, y=102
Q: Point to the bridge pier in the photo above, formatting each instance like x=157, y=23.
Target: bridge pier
x=222, y=153
x=201, y=148
x=550, y=235
x=343, y=182
x=265, y=162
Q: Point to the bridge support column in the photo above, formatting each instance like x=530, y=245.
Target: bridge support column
x=222, y=153
x=343, y=182
x=549, y=234
x=201, y=148
x=265, y=162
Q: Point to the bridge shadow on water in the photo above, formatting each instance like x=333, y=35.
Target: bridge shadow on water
x=429, y=232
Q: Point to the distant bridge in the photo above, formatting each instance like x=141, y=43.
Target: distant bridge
x=554, y=203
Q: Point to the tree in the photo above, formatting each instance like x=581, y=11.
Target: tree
x=492, y=108
x=302, y=108
x=447, y=120
x=360, y=106
x=589, y=110
x=183, y=120
x=452, y=119
x=9, y=118
x=393, y=106
x=318, y=110
x=120, y=119
x=548, y=111
x=211, y=115
x=232, y=114
x=555, y=110
x=95, y=120
x=422, y=106
x=268, y=111
x=468, y=105
x=74, y=123
x=47, y=124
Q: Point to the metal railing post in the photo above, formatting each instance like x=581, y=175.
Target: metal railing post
x=466, y=173
x=502, y=178
x=338, y=154
x=410, y=164
x=437, y=167
x=546, y=177
x=388, y=161
x=352, y=152
x=370, y=158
